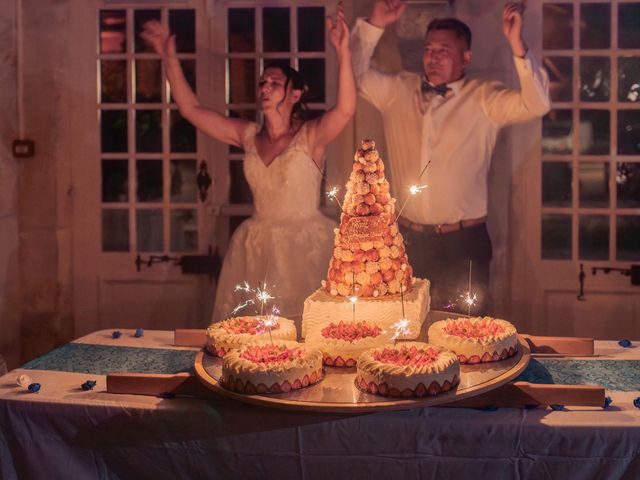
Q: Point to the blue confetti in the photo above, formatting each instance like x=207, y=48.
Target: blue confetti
x=167, y=395
x=34, y=387
x=116, y=334
x=624, y=343
x=557, y=408
x=636, y=402
x=139, y=333
x=88, y=385
x=607, y=401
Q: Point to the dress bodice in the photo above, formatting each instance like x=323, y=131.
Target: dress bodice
x=290, y=185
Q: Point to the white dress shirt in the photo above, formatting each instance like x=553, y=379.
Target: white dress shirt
x=456, y=133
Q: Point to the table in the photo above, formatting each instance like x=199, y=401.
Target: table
x=66, y=432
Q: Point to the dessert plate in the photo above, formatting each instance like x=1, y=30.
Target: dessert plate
x=337, y=392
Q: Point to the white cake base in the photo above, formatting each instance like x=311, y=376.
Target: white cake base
x=321, y=308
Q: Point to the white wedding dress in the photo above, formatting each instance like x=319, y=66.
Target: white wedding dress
x=287, y=242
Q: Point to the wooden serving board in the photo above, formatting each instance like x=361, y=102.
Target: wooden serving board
x=336, y=393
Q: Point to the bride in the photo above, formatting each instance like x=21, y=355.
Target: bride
x=287, y=243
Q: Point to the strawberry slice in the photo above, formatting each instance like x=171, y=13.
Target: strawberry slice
x=286, y=386
x=250, y=389
x=434, y=388
x=420, y=390
x=297, y=384
x=383, y=388
x=305, y=381
x=262, y=388
x=275, y=388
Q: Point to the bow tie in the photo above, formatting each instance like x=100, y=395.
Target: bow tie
x=439, y=89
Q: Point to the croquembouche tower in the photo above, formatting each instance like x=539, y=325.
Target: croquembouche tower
x=369, y=259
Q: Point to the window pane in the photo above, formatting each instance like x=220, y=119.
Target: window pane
x=594, y=79
x=115, y=180
x=148, y=131
x=182, y=23
x=594, y=132
x=560, y=70
x=628, y=238
x=148, y=81
x=239, y=191
x=594, y=184
x=629, y=132
x=628, y=21
x=183, y=134
x=149, y=180
x=593, y=237
x=556, y=237
x=140, y=18
x=628, y=185
x=184, y=230
x=557, y=126
x=115, y=230
x=595, y=25
x=242, y=81
x=149, y=230
x=556, y=184
x=113, y=31
x=241, y=28
x=246, y=115
x=113, y=81
x=557, y=21
x=276, y=30
x=311, y=29
x=183, y=181
x=113, y=130
x=189, y=70
x=312, y=70
x=629, y=79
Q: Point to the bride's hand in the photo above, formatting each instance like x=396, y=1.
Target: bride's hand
x=157, y=36
x=338, y=31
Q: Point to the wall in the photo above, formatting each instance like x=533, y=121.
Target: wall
x=9, y=266
x=34, y=258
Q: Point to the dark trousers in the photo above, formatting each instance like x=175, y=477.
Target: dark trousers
x=444, y=260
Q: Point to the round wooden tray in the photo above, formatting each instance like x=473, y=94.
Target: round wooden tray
x=337, y=393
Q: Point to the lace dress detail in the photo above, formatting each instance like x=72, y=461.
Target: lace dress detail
x=287, y=238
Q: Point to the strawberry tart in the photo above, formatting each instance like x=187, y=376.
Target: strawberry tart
x=476, y=339
x=266, y=367
x=237, y=331
x=342, y=343
x=409, y=369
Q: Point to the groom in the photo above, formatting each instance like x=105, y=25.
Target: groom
x=440, y=130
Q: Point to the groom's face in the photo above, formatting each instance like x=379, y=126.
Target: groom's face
x=445, y=56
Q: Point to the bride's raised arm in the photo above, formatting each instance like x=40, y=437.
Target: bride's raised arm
x=220, y=127
x=327, y=127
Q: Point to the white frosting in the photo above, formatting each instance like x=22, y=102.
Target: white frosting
x=273, y=372
x=221, y=338
x=321, y=308
x=445, y=368
x=334, y=347
x=469, y=346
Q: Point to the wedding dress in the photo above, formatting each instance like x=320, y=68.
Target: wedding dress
x=288, y=242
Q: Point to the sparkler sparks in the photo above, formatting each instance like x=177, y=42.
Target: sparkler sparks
x=401, y=327
x=261, y=295
x=413, y=190
x=333, y=195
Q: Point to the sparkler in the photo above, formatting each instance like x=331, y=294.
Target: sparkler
x=353, y=299
x=469, y=298
x=413, y=190
x=333, y=195
x=260, y=294
x=269, y=321
x=401, y=327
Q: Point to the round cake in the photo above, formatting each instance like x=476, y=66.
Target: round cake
x=476, y=339
x=265, y=367
x=342, y=343
x=237, y=331
x=409, y=369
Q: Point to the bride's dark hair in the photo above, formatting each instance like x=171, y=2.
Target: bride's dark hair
x=300, y=109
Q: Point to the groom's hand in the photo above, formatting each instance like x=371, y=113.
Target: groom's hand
x=512, y=22
x=386, y=12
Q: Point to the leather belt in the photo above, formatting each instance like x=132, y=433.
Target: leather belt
x=442, y=228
